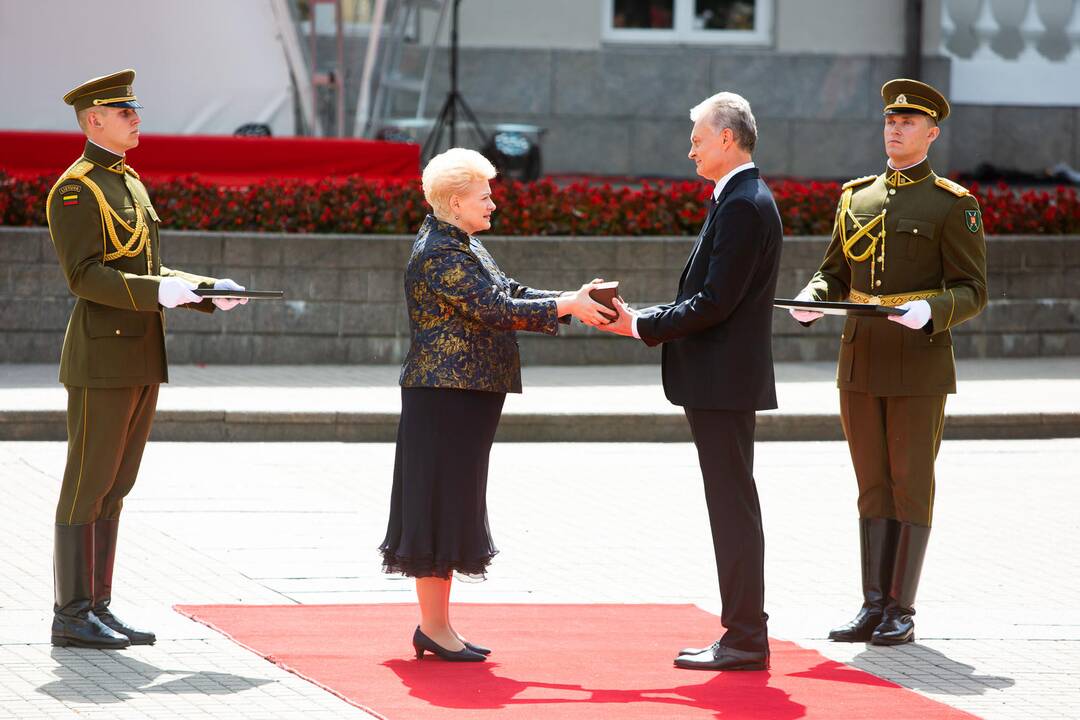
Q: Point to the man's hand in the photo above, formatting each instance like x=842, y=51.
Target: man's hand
x=917, y=315
x=228, y=303
x=624, y=324
x=805, y=316
x=173, y=291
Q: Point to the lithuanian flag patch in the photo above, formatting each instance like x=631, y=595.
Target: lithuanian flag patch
x=71, y=200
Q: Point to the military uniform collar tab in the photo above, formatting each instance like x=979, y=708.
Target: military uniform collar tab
x=433, y=223
x=907, y=176
x=105, y=158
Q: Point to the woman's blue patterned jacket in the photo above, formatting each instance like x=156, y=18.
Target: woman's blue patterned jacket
x=463, y=314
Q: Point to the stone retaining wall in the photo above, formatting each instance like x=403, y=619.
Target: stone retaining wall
x=345, y=302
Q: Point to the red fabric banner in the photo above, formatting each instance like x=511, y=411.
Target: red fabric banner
x=220, y=159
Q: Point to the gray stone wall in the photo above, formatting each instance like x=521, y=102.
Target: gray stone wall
x=623, y=110
x=345, y=302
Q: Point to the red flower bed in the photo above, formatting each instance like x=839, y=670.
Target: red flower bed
x=540, y=208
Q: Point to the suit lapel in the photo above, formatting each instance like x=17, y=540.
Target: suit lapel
x=697, y=244
x=711, y=217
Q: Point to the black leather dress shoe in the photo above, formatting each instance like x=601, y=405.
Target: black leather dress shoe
x=695, y=651
x=896, y=628
x=721, y=657
x=85, y=631
x=135, y=635
x=860, y=629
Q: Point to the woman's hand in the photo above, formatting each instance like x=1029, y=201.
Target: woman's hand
x=584, y=308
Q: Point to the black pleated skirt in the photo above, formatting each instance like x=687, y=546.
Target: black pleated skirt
x=438, y=506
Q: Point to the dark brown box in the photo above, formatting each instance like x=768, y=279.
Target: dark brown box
x=605, y=294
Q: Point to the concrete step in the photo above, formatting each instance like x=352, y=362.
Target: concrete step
x=206, y=426
x=1024, y=398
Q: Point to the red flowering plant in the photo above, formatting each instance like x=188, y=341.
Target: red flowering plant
x=544, y=207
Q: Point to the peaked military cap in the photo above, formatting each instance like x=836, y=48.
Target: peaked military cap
x=911, y=96
x=112, y=90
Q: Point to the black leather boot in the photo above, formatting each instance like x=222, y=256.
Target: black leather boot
x=105, y=531
x=74, y=622
x=877, y=548
x=898, y=625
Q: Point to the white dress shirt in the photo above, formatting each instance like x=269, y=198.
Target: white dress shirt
x=720, y=184
x=906, y=167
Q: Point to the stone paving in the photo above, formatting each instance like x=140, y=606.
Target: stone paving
x=581, y=522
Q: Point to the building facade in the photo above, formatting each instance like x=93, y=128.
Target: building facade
x=612, y=80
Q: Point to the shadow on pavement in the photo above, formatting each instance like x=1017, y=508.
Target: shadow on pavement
x=102, y=677
x=918, y=667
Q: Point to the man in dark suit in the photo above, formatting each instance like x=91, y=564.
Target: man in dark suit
x=717, y=364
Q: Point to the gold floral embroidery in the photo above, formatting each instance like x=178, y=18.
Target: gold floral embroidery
x=464, y=313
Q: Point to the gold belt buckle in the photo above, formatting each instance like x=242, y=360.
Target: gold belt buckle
x=874, y=300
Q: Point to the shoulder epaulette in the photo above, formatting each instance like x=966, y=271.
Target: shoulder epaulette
x=132, y=171
x=78, y=170
x=859, y=181
x=955, y=188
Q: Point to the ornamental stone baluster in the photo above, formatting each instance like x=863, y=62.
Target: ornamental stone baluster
x=986, y=28
x=948, y=27
x=1072, y=31
x=1031, y=31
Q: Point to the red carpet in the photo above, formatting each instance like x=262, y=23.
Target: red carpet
x=553, y=662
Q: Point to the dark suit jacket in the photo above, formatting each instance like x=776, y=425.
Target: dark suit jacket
x=464, y=312
x=717, y=335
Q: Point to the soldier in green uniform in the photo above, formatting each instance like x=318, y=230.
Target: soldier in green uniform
x=105, y=231
x=909, y=239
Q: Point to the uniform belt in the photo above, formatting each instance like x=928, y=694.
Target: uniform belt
x=890, y=300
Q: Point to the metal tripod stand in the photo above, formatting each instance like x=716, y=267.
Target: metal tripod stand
x=454, y=104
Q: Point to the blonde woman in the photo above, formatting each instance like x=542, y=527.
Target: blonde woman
x=463, y=359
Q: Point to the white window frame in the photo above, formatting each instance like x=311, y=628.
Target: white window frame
x=684, y=31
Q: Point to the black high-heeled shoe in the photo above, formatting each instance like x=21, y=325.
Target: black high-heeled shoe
x=477, y=648
x=422, y=642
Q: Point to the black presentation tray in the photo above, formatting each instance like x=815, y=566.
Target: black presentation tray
x=838, y=308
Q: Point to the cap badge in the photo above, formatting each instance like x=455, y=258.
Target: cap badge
x=902, y=99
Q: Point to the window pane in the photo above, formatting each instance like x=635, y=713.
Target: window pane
x=724, y=14
x=647, y=14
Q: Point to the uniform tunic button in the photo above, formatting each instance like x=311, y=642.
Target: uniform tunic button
x=877, y=283
x=915, y=230
x=117, y=332
x=892, y=191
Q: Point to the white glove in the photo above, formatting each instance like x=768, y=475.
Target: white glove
x=804, y=316
x=917, y=315
x=173, y=291
x=228, y=303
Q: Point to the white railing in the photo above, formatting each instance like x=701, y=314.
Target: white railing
x=1012, y=52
